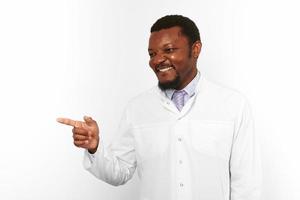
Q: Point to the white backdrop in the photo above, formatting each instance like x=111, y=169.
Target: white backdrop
x=73, y=58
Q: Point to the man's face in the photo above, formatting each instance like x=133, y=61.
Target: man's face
x=172, y=59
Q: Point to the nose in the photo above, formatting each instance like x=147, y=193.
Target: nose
x=158, y=59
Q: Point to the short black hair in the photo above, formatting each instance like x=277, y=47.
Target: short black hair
x=188, y=27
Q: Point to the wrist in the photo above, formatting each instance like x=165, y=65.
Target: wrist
x=92, y=151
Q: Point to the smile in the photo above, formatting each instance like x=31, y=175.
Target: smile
x=165, y=69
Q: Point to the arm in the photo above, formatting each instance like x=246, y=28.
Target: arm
x=245, y=166
x=115, y=164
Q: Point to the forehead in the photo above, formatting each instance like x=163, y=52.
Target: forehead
x=165, y=36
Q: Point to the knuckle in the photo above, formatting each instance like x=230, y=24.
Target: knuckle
x=75, y=143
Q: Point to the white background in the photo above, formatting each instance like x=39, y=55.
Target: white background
x=72, y=58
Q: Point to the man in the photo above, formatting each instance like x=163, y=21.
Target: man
x=189, y=138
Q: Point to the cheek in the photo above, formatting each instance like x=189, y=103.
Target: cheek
x=151, y=65
x=177, y=60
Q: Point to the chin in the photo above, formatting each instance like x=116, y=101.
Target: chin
x=173, y=84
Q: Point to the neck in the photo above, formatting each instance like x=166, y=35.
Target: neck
x=191, y=76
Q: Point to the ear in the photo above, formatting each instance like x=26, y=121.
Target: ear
x=196, y=49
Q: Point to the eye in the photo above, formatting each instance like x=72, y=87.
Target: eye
x=151, y=54
x=169, y=50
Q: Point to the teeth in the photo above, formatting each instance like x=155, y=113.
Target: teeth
x=165, y=69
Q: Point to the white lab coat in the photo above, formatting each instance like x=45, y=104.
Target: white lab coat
x=208, y=151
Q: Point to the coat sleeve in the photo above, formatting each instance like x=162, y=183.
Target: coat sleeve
x=245, y=164
x=115, y=164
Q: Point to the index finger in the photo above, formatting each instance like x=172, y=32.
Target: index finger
x=66, y=121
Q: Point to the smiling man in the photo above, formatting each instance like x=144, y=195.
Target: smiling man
x=173, y=57
x=188, y=138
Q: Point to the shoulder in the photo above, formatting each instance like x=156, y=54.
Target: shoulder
x=149, y=96
x=222, y=97
x=222, y=91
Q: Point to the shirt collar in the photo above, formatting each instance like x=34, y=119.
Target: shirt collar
x=190, y=88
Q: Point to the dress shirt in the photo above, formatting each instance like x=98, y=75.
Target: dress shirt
x=208, y=151
x=190, y=89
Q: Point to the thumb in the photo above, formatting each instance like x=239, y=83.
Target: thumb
x=89, y=120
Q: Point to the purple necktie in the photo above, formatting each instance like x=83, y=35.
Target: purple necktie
x=178, y=98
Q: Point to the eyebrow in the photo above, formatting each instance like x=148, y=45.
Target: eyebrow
x=167, y=44
x=149, y=49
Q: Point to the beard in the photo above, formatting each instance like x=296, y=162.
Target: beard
x=170, y=84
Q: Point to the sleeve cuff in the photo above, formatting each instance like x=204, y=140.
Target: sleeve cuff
x=89, y=159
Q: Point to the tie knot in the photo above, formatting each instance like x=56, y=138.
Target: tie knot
x=178, y=98
x=179, y=92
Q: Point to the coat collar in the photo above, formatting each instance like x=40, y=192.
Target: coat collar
x=169, y=105
x=189, y=89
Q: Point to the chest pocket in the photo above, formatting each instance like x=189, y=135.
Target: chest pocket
x=151, y=141
x=212, y=138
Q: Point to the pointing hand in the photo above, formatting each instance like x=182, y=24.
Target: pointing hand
x=85, y=134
